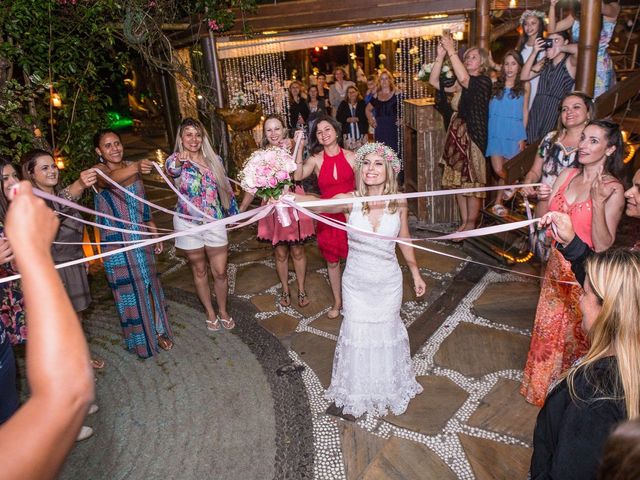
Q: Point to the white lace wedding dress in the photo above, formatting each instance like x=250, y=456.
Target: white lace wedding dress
x=372, y=369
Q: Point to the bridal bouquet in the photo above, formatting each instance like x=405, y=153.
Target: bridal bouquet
x=266, y=174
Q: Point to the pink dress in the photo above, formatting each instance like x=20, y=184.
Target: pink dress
x=332, y=242
x=301, y=230
x=557, y=340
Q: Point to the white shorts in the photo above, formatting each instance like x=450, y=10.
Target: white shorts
x=212, y=237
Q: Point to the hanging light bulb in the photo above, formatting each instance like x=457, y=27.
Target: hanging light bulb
x=56, y=100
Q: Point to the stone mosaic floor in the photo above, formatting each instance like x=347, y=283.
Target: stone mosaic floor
x=469, y=338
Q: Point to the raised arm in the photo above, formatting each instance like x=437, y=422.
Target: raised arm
x=528, y=70
x=555, y=26
x=607, y=199
x=87, y=178
x=35, y=441
x=458, y=67
x=124, y=174
x=434, y=76
x=408, y=253
x=304, y=169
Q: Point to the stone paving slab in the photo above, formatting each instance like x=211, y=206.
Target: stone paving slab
x=329, y=325
x=403, y=459
x=430, y=411
x=425, y=325
x=359, y=448
x=509, y=303
x=254, y=279
x=474, y=350
x=505, y=411
x=492, y=460
x=317, y=352
x=281, y=325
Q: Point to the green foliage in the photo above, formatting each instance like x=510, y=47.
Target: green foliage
x=61, y=47
x=78, y=49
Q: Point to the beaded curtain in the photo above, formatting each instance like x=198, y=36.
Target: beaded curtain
x=261, y=76
x=411, y=54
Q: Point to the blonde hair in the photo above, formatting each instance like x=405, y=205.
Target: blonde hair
x=390, y=185
x=211, y=159
x=484, y=58
x=614, y=277
x=392, y=81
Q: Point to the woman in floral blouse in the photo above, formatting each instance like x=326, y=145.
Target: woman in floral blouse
x=12, y=325
x=206, y=195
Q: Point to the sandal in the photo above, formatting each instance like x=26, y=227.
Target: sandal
x=285, y=299
x=165, y=342
x=227, y=323
x=303, y=301
x=97, y=363
x=213, y=325
x=333, y=313
x=499, y=210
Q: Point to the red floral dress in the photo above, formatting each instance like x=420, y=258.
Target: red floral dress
x=557, y=340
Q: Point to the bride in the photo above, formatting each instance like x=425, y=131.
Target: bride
x=372, y=370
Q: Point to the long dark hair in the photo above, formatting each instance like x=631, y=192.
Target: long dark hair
x=29, y=160
x=4, y=201
x=518, y=86
x=524, y=38
x=614, y=164
x=314, y=145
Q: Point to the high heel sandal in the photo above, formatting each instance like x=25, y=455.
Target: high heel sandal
x=285, y=299
x=303, y=301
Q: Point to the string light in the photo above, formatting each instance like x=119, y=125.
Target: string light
x=56, y=100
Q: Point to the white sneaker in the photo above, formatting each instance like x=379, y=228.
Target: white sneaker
x=85, y=432
x=93, y=409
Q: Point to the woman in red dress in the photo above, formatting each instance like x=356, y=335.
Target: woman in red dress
x=334, y=167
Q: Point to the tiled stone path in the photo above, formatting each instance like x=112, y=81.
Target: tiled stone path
x=469, y=339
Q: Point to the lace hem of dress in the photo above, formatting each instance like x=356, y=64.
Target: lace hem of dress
x=377, y=405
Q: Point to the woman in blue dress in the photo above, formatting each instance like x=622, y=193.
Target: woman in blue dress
x=508, y=113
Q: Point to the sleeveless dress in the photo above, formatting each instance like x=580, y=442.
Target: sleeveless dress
x=533, y=83
x=132, y=275
x=271, y=230
x=386, y=114
x=332, y=242
x=372, y=369
x=605, y=74
x=555, y=83
x=557, y=340
x=506, y=125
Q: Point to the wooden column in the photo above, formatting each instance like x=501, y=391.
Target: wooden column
x=483, y=24
x=590, y=19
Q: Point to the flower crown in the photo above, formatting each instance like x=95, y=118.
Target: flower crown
x=531, y=13
x=381, y=149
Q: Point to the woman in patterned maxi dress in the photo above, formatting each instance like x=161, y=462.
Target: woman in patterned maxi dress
x=132, y=275
x=593, y=199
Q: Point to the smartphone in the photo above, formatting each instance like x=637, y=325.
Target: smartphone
x=547, y=43
x=446, y=32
